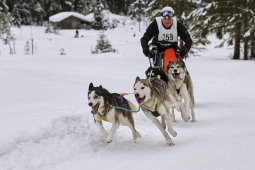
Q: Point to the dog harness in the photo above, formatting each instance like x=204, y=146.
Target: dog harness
x=121, y=98
x=154, y=111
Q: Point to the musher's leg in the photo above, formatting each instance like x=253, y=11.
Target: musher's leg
x=159, y=62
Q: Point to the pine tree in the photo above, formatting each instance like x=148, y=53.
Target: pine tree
x=154, y=9
x=68, y=5
x=37, y=12
x=53, y=7
x=118, y=6
x=5, y=19
x=87, y=7
x=250, y=28
x=211, y=17
x=103, y=45
x=16, y=13
x=137, y=10
x=98, y=16
x=252, y=44
x=21, y=13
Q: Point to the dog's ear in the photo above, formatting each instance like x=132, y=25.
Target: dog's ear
x=137, y=79
x=180, y=61
x=100, y=87
x=91, y=86
x=182, y=64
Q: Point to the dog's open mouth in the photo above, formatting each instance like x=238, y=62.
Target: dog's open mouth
x=140, y=100
x=95, y=109
x=176, y=76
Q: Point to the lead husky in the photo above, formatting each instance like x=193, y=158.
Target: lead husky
x=159, y=73
x=154, y=96
x=104, y=105
x=180, y=79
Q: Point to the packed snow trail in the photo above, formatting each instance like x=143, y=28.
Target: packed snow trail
x=46, y=124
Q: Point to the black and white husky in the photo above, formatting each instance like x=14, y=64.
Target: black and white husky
x=180, y=79
x=153, y=96
x=111, y=107
x=156, y=72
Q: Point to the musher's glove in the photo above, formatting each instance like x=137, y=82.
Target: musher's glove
x=146, y=51
x=183, y=53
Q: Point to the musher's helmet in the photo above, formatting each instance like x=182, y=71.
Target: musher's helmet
x=167, y=11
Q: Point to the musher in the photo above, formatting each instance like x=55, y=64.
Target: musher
x=165, y=31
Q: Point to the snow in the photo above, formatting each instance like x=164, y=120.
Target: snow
x=63, y=15
x=107, y=15
x=46, y=124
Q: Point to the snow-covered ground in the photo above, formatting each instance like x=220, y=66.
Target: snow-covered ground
x=46, y=124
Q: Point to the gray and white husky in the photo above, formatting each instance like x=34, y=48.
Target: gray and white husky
x=180, y=80
x=159, y=73
x=154, y=98
x=111, y=107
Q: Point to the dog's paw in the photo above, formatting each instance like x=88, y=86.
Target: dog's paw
x=109, y=139
x=169, y=143
x=185, y=118
x=193, y=121
x=138, y=135
x=173, y=133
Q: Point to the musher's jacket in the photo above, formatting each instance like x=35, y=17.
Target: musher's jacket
x=159, y=33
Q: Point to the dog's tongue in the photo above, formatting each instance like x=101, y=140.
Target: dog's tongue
x=94, y=110
x=139, y=100
x=176, y=76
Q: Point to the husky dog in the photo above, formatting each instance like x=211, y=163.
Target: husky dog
x=159, y=73
x=113, y=108
x=154, y=96
x=180, y=79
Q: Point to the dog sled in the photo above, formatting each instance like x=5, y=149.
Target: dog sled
x=161, y=60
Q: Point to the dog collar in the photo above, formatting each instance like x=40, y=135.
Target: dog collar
x=103, y=117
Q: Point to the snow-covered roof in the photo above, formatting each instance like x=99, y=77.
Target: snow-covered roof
x=63, y=15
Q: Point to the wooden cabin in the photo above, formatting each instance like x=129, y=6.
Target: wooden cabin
x=70, y=20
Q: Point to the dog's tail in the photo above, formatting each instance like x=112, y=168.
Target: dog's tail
x=191, y=91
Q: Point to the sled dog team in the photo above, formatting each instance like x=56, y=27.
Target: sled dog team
x=157, y=95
